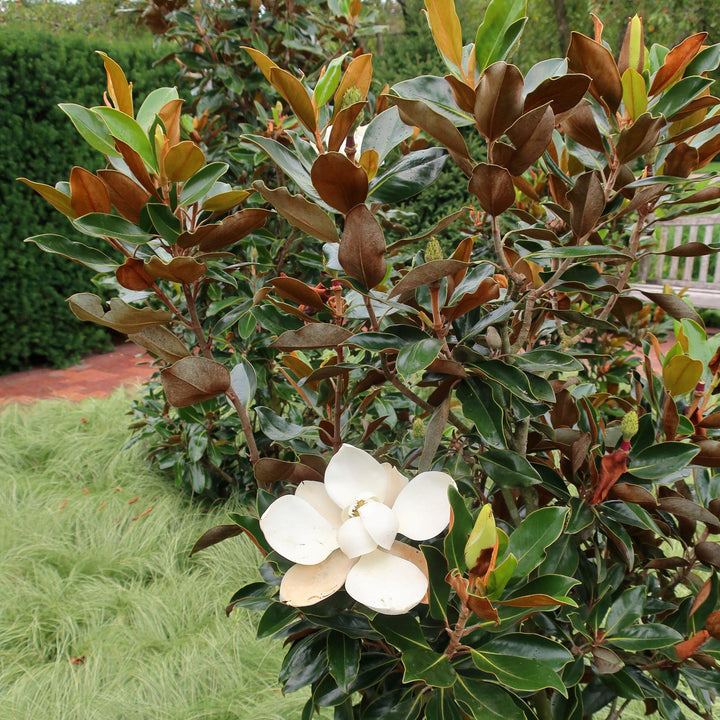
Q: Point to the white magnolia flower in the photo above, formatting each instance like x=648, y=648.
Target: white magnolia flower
x=342, y=532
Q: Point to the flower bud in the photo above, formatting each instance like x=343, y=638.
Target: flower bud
x=418, y=428
x=482, y=537
x=629, y=425
x=433, y=251
x=493, y=339
x=712, y=624
x=353, y=95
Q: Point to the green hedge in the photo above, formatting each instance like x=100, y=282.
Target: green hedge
x=38, y=71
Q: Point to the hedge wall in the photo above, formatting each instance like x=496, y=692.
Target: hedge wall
x=37, y=140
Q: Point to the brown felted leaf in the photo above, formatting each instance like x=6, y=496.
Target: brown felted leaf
x=137, y=166
x=708, y=150
x=605, y=661
x=464, y=94
x=270, y=470
x=159, y=341
x=498, y=99
x=233, y=228
x=612, y=466
x=493, y=187
x=563, y=93
x=296, y=95
x=481, y=606
x=694, y=130
x=670, y=419
x=88, y=194
x=532, y=601
x=593, y=59
x=425, y=274
x=682, y=160
x=300, y=212
x=339, y=182
x=676, y=61
x=417, y=113
x=587, y=201
x=639, y=138
x=291, y=289
x=182, y=161
x=170, y=116
x=565, y=412
x=179, y=269
x=215, y=535
x=194, y=379
x=359, y=75
x=487, y=290
x=446, y=30
x=311, y=337
x=132, y=275
x=342, y=122
x=708, y=553
x=121, y=316
x=59, y=200
x=126, y=196
x=701, y=597
x=680, y=507
x=707, y=194
x=530, y=134
x=362, y=247
x=119, y=90
x=700, y=103
x=581, y=127
x=632, y=493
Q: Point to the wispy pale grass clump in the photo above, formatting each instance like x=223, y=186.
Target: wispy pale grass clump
x=102, y=614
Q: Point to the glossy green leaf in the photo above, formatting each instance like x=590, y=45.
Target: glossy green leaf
x=91, y=127
x=651, y=636
x=275, y=618
x=415, y=357
x=200, y=184
x=500, y=577
x=661, y=460
x=548, y=360
x=127, y=130
x=535, y=533
x=679, y=95
x=101, y=225
x=276, y=427
x=485, y=700
x=407, y=177
x=508, y=469
x=436, y=93
x=83, y=254
x=153, y=104
x=519, y=673
x=586, y=252
x=628, y=608
x=376, y=341
x=164, y=221
x=304, y=663
x=287, y=161
x=243, y=381
x=457, y=536
x=529, y=645
x=554, y=586
x=384, y=133
x=343, y=655
x=479, y=406
x=497, y=315
x=491, y=41
x=251, y=526
x=438, y=590
x=420, y=661
x=328, y=83
x=442, y=706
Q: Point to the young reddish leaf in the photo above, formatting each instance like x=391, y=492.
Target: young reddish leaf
x=594, y=60
x=362, y=247
x=632, y=53
x=563, y=93
x=445, y=28
x=300, y=212
x=170, y=116
x=493, y=187
x=296, y=95
x=182, y=161
x=681, y=374
x=639, y=138
x=498, y=99
x=59, y=200
x=137, y=166
x=359, y=75
x=194, y=379
x=612, y=466
x=676, y=61
x=369, y=162
x=132, y=275
x=88, y=193
x=127, y=197
x=214, y=237
x=339, y=182
x=119, y=90
x=587, y=200
x=179, y=269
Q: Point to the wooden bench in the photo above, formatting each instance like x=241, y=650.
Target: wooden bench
x=698, y=276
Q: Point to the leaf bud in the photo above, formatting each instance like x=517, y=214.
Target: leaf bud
x=492, y=337
x=482, y=537
x=433, y=251
x=629, y=425
x=418, y=428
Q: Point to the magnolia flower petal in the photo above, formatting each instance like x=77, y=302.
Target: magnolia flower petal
x=396, y=482
x=309, y=584
x=386, y=583
x=352, y=474
x=423, y=508
x=315, y=493
x=353, y=539
x=297, y=531
x=380, y=522
x=416, y=557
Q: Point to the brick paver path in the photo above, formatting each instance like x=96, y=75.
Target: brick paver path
x=95, y=376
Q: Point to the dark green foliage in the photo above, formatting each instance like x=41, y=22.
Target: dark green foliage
x=38, y=71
